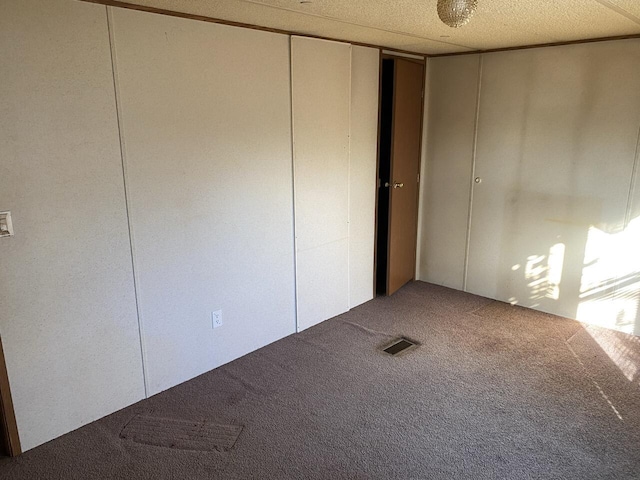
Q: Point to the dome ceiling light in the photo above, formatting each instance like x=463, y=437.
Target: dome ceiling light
x=456, y=13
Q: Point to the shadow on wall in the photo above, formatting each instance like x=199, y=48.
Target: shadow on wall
x=567, y=263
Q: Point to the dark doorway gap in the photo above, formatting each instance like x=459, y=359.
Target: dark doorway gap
x=384, y=174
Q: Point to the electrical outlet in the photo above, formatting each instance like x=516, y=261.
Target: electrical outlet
x=216, y=318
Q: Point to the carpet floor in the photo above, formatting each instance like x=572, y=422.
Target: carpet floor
x=492, y=392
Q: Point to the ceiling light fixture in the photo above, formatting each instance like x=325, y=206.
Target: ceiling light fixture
x=456, y=13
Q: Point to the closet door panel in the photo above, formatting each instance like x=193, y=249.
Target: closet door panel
x=556, y=143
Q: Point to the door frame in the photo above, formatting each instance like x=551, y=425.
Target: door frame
x=8, y=425
x=384, y=55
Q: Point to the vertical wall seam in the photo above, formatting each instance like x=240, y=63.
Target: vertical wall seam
x=473, y=174
x=126, y=195
x=293, y=190
x=634, y=182
x=349, y=180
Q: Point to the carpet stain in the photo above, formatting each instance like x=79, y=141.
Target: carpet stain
x=494, y=309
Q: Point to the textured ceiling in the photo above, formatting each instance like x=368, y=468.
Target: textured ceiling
x=413, y=25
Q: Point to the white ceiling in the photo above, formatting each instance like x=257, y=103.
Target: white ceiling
x=413, y=25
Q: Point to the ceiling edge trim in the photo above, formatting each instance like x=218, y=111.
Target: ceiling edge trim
x=354, y=24
x=202, y=18
x=539, y=45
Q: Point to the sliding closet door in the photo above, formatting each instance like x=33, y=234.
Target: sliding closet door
x=452, y=84
x=555, y=151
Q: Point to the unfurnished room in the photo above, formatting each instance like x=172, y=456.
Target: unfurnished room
x=320, y=239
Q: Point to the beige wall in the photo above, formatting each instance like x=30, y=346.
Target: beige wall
x=202, y=113
x=552, y=223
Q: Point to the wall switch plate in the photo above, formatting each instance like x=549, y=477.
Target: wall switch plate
x=6, y=227
x=216, y=318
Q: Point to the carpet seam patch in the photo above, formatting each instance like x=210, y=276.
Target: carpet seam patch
x=200, y=435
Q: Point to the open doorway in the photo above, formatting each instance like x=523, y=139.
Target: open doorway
x=400, y=135
x=384, y=172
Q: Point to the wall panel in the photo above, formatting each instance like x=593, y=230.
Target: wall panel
x=207, y=133
x=68, y=318
x=321, y=86
x=365, y=65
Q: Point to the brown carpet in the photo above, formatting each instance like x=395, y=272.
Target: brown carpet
x=492, y=392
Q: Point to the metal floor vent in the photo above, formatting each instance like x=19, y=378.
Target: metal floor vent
x=399, y=346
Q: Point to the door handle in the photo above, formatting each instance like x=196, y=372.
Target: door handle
x=395, y=185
